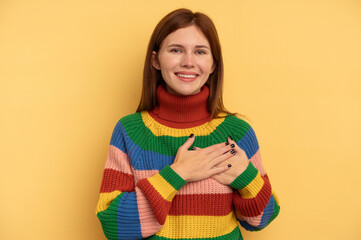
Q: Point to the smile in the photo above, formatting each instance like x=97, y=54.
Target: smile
x=186, y=77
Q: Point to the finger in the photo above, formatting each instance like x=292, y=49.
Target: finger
x=231, y=141
x=220, y=151
x=195, y=148
x=223, y=157
x=188, y=143
x=219, y=169
x=214, y=147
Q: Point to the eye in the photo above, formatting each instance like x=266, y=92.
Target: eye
x=175, y=50
x=200, y=52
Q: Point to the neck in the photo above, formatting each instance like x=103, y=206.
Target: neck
x=181, y=111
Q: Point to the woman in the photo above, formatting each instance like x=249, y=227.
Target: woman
x=182, y=166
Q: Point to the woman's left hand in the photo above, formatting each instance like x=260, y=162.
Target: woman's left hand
x=239, y=163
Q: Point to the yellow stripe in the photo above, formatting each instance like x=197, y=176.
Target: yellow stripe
x=276, y=198
x=161, y=130
x=166, y=190
x=253, y=188
x=197, y=226
x=105, y=199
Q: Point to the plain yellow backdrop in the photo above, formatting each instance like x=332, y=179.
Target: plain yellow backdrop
x=69, y=70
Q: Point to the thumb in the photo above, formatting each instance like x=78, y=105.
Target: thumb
x=188, y=143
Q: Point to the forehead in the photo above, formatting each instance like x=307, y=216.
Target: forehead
x=188, y=36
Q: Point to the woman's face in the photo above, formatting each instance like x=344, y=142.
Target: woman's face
x=185, y=61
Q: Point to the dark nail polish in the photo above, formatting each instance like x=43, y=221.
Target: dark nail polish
x=192, y=135
x=227, y=143
x=229, y=165
x=232, y=145
x=233, y=151
x=230, y=138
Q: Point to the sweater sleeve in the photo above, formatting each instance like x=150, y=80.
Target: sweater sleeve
x=129, y=210
x=255, y=202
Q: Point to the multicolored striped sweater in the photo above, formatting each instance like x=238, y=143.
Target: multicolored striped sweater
x=141, y=197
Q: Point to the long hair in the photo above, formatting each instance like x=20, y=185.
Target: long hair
x=152, y=77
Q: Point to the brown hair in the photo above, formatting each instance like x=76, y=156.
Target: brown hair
x=152, y=77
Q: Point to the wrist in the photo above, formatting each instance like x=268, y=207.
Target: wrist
x=242, y=180
x=179, y=171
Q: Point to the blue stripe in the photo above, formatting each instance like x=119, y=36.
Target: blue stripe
x=248, y=227
x=139, y=159
x=128, y=217
x=249, y=143
x=117, y=139
x=267, y=213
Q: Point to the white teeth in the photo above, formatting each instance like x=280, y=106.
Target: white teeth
x=186, y=76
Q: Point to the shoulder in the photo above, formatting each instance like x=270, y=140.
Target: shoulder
x=242, y=133
x=127, y=123
x=126, y=128
x=131, y=118
x=237, y=124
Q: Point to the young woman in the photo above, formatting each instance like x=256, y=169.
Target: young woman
x=182, y=166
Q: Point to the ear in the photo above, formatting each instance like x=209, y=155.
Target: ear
x=154, y=61
x=213, y=67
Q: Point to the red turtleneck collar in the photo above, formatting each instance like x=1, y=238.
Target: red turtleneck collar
x=181, y=111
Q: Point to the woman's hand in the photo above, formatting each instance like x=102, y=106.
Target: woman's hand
x=239, y=163
x=199, y=164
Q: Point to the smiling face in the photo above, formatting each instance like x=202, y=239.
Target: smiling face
x=185, y=61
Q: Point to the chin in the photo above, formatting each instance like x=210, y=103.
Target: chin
x=183, y=90
x=187, y=92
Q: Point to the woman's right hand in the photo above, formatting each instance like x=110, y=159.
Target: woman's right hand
x=201, y=163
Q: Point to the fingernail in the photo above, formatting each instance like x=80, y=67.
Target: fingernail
x=232, y=145
x=193, y=148
x=229, y=165
x=227, y=143
x=230, y=138
x=192, y=135
x=233, y=151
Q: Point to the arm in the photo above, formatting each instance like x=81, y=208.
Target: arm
x=255, y=202
x=133, y=211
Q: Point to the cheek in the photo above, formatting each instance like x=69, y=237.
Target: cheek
x=207, y=65
x=168, y=63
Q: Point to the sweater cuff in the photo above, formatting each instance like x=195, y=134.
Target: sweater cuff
x=166, y=184
x=245, y=178
x=172, y=177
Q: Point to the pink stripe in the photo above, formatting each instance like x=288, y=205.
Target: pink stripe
x=254, y=221
x=140, y=174
x=206, y=186
x=257, y=162
x=118, y=160
x=148, y=222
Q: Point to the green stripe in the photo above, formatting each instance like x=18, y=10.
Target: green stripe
x=234, y=235
x=245, y=178
x=168, y=145
x=108, y=219
x=172, y=177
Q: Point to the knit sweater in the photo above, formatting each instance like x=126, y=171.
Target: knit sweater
x=141, y=196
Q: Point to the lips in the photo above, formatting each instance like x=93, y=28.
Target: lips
x=187, y=76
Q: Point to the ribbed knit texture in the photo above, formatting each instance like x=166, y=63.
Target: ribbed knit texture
x=142, y=197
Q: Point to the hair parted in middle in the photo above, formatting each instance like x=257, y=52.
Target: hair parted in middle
x=152, y=77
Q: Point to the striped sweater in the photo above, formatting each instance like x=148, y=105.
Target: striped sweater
x=142, y=197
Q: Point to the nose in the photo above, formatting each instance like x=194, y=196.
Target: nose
x=187, y=60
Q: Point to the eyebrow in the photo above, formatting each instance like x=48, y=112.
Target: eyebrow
x=179, y=45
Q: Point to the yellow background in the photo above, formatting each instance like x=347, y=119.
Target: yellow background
x=69, y=70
